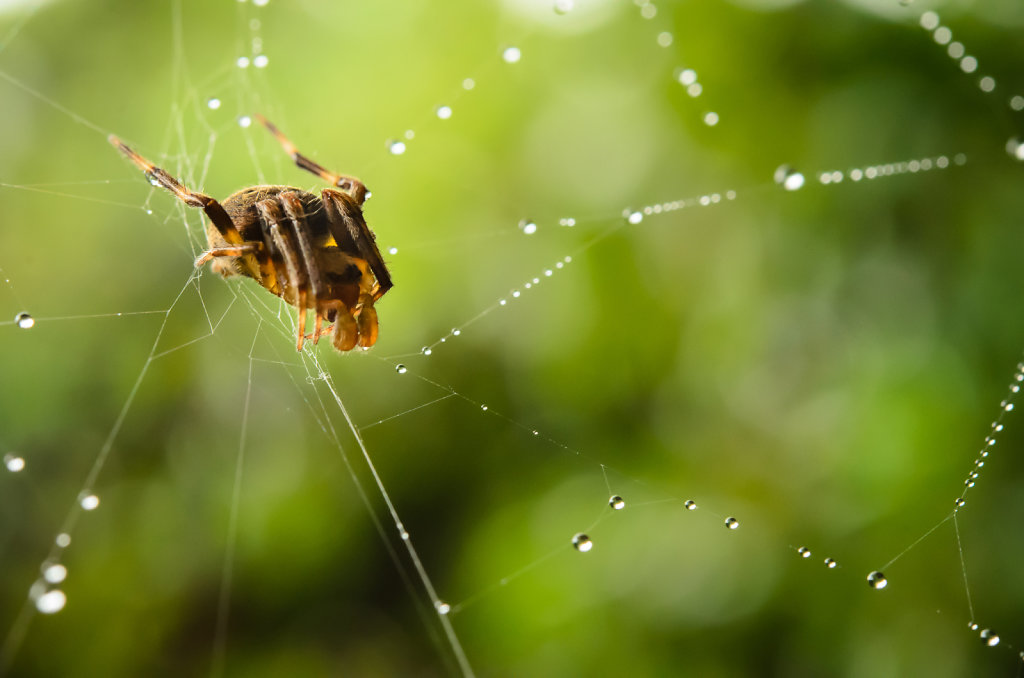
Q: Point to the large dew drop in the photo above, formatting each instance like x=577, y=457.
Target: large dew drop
x=528, y=226
x=51, y=602
x=732, y=523
x=14, y=463
x=877, y=580
x=789, y=178
x=582, y=543
x=804, y=552
x=25, y=321
x=617, y=502
x=690, y=505
x=989, y=637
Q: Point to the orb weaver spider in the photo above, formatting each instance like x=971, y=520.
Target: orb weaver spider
x=316, y=253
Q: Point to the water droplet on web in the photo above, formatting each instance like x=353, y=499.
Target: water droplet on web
x=711, y=118
x=512, y=55
x=687, y=77
x=14, y=463
x=617, y=502
x=877, y=580
x=582, y=543
x=260, y=61
x=213, y=103
x=989, y=637
x=63, y=540
x=664, y=39
x=564, y=6
x=51, y=602
x=929, y=21
x=804, y=552
x=468, y=84
x=1017, y=102
x=396, y=147
x=732, y=523
x=690, y=505
x=483, y=407
x=456, y=331
x=89, y=502
x=960, y=502
x=968, y=64
x=527, y=226
x=568, y=221
x=25, y=321
x=788, y=178
x=401, y=369
x=242, y=62
x=634, y=217
x=409, y=134
x=1015, y=148
x=987, y=84
x=830, y=563
x=695, y=90
x=942, y=35
x=393, y=250
x=515, y=294
x=444, y=112
x=648, y=11
x=260, y=3
x=244, y=121
x=442, y=607
x=426, y=350
x=956, y=50
x=54, y=573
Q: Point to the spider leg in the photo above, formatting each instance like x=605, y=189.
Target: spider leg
x=346, y=183
x=271, y=220
x=245, y=248
x=341, y=209
x=213, y=209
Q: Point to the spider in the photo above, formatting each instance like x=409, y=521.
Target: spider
x=316, y=253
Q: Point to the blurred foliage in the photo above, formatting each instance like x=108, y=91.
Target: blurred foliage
x=822, y=364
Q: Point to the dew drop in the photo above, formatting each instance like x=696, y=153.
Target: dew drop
x=664, y=39
x=732, y=523
x=568, y=221
x=690, y=505
x=617, y=502
x=711, y=118
x=396, y=147
x=830, y=563
x=242, y=62
x=635, y=217
x=968, y=64
x=1015, y=148
x=51, y=602
x=426, y=350
x=401, y=369
x=956, y=49
x=687, y=77
x=929, y=21
x=877, y=580
x=527, y=226
x=260, y=3
x=393, y=250
x=989, y=637
x=54, y=573
x=456, y=331
x=63, y=540
x=788, y=178
x=468, y=84
x=564, y=6
x=213, y=103
x=14, y=463
x=244, y=121
x=260, y=61
x=512, y=55
x=444, y=112
x=89, y=502
x=483, y=407
x=804, y=552
x=648, y=11
x=942, y=35
x=442, y=607
x=25, y=321
x=960, y=502
x=695, y=90
x=1017, y=102
x=582, y=543
x=987, y=84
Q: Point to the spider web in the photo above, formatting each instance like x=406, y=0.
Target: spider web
x=601, y=292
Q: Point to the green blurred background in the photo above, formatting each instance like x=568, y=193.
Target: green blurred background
x=822, y=364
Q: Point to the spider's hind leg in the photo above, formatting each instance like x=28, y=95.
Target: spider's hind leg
x=352, y=185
